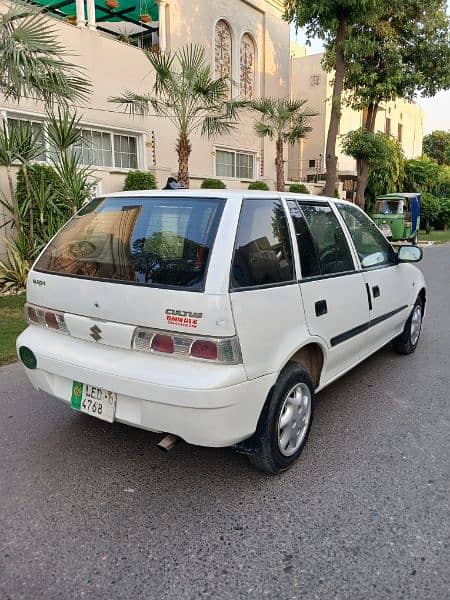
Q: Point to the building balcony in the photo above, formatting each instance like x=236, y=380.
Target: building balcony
x=140, y=23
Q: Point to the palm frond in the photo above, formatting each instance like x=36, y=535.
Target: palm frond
x=63, y=129
x=162, y=62
x=135, y=104
x=263, y=130
x=33, y=62
x=191, y=59
x=214, y=126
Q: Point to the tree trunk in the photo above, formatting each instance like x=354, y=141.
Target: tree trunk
x=362, y=164
x=183, y=150
x=335, y=117
x=14, y=204
x=279, y=161
x=372, y=111
x=362, y=169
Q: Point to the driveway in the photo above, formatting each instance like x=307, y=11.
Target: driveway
x=92, y=510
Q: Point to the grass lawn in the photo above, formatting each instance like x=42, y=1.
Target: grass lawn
x=435, y=236
x=11, y=324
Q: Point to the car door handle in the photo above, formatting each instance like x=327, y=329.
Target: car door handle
x=369, y=298
x=376, y=291
x=321, y=308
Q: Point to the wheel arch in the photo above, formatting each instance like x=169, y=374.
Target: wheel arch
x=313, y=356
x=423, y=296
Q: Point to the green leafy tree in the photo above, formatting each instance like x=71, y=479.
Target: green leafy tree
x=286, y=121
x=33, y=63
x=444, y=213
x=332, y=21
x=429, y=208
x=383, y=155
x=423, y=175
x=437, y=145
x=188, y=95
x=405, y=51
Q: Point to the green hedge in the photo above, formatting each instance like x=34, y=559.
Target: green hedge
x=139, y=180
x=298, y=188
x=213, y=184
x=259, y=185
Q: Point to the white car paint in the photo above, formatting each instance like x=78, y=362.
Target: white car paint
x=206, y=403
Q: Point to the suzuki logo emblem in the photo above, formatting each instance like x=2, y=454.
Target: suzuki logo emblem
x=96, y=331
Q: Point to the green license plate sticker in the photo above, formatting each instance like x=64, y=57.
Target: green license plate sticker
x=77, y=393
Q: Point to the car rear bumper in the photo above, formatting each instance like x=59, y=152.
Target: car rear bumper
x=206, y=405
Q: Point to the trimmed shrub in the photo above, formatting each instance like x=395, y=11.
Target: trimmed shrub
x=139, y=180
x=298, y=188
x=258, y=185
x=213, y=184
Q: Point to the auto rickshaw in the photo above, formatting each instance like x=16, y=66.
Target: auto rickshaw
x=398, y=216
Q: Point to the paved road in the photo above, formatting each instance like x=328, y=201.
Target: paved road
x=90, y=510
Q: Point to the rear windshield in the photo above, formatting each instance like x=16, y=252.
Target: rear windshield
x=147, y=241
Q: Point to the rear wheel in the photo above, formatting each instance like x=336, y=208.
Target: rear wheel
x=286, y=421
x=407, y=341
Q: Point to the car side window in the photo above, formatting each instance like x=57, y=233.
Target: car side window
x=331, y=246
x=372, y=247
x=309, y=260
x=262, y=252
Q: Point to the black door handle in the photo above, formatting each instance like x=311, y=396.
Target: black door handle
x=321, y=308
x=369, y=299
x=376, y=291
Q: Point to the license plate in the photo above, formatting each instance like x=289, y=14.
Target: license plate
x=94, y=401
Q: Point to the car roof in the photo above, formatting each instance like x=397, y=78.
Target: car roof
x=396, y=195
x=212, y=193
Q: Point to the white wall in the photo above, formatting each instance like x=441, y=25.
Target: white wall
x=114, y=66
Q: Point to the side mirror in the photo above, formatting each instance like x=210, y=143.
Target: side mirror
x=409, y=254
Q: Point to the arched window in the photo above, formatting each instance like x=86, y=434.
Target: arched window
x=223, y=52
x=247, y=67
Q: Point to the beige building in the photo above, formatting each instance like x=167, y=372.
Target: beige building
x=244, y=39
x=402, y=119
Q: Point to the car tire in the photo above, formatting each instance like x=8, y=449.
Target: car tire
x=285, y=422
x=407, y=341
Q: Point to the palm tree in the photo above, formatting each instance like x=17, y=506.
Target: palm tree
x=286, y=121
x=186, y=92
x=32, y=60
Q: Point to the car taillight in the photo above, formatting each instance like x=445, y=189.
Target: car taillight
x=180, y=345
x=205, y=349
x=162, y=343
x=52, y=319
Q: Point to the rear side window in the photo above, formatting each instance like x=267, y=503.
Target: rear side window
x=309, y=259
x=332, y=250
x=263, y=253
x=147, y=241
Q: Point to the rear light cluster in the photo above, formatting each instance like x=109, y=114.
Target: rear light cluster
x=219, y=350
x=46, y=317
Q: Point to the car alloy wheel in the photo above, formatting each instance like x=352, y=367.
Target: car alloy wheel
x=294, y=419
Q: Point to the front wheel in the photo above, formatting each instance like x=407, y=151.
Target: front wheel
x=407, y=341
x=286, y=421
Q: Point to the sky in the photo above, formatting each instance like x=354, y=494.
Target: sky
x=437, y=109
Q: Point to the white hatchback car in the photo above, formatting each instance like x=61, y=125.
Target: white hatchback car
x=215, y=316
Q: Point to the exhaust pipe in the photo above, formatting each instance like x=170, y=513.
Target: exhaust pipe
x=168, y=442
